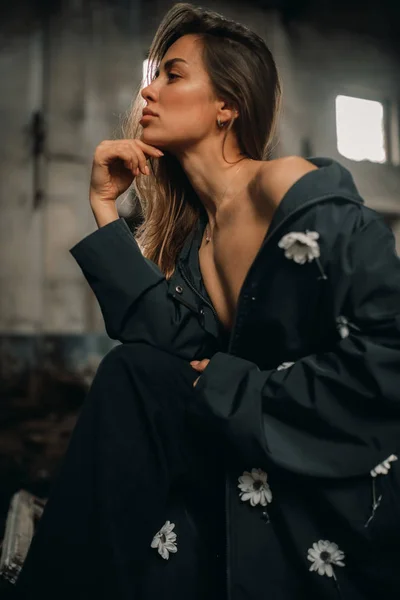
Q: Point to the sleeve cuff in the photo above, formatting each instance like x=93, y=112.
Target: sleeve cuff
x=116, y=270
x=97, y=237
x=112, y=256
x=228, y=399
x=224, y=372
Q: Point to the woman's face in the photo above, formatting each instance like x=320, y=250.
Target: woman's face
x=182, y=98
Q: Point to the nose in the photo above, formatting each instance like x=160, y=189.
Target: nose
x=148, y=92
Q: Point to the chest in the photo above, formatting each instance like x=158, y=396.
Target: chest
x=225, y=263
x=290, y=310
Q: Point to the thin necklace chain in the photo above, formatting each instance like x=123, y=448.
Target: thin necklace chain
x=208, y=237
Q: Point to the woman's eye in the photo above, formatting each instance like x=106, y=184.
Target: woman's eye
x=169, y=75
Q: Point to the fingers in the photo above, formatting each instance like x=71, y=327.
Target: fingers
x=131, y=152
x=200, y=365
x=141, y=155
x=141, y=165
x=151, y=150
x=203, y=362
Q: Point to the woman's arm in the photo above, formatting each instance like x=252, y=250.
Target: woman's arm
x=133, y=293
x=333, y=414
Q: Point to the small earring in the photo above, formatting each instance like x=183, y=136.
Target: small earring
x=220, y=124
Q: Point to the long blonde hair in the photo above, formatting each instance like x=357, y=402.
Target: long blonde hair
x=242, y=71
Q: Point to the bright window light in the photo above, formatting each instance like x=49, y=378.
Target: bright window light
x=360, y=129
x=145, y=63
x=146, y=81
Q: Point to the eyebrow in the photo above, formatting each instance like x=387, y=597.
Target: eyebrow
x=171, y=61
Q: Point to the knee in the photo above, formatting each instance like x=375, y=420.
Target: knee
x=145, y=359
x=123, y=351
x=120, y=360
x=129, y=354
x=147, y=364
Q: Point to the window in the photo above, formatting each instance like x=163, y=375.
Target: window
x=147, y=80
x=360, y=129
x=144, y=73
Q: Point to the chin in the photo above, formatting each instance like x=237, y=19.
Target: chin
x=150, y=138
x=154, y=140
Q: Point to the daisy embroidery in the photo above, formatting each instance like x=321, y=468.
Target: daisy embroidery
x=302, y=247
x=285, y=365
x=325, y=555
x=254, y=487
x=343, y=326
x=382, y=469
x=165, y=540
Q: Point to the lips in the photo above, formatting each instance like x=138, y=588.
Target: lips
x=148, y=112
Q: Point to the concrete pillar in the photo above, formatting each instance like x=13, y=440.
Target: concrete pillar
x=21, y=227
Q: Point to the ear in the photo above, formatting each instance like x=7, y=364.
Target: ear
x=227, y=111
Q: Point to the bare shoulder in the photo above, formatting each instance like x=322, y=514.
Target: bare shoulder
x=279, y=175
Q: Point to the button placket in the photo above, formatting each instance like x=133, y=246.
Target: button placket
x=202, y=316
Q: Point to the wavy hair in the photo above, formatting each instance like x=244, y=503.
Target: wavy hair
x=242, y=71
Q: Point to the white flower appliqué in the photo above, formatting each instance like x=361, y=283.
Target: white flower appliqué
x=285, y=365
x=300, y=247
x=325, y=555
x=384, y=467
x=254, y=487
x=165, y=540
x=343, y=327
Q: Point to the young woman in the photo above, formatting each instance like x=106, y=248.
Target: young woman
x=267, y=469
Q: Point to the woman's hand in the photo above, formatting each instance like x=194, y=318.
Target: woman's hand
x=115, y=166
x=199, y=365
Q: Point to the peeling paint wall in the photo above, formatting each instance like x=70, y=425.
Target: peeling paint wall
x=82, y=73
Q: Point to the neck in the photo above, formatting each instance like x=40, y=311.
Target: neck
x=215, y=180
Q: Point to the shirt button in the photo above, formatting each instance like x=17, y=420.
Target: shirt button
x=179, y=289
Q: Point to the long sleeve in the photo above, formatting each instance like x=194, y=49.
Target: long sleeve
x=133, y=293
x=332, y=414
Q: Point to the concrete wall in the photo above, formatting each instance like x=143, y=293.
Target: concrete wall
x=324, y=67
x=83, y=74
